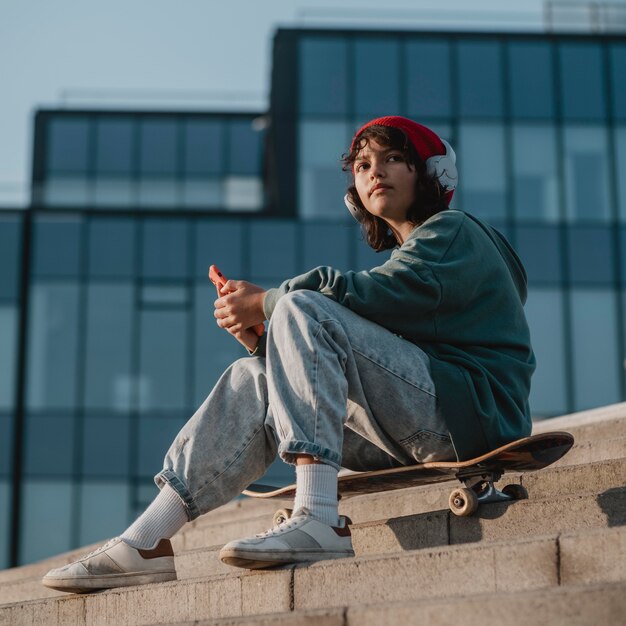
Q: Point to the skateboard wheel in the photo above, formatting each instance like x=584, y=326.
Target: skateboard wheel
x=517, y=492
x=463, y=502
x=282, y=515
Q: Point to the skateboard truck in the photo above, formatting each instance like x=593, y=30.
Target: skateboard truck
x=479, y=489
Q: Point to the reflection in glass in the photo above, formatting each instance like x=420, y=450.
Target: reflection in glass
x=535, y=174
x=428, y=78
x=114, y=192
x=618, y=79
x=582, y=98
x=163, y=360
x=243, y=193
x=106, y=446
x=539, y=249
x=202, y=194
x=104, y=509
x=480, y=78
x=586, y=173
x=114, y=146
x=544, y=312
x=620, y=168
x=57, y=246
x=273, y=246
x=68, y=145
x=109, y=383
x=322, y=183
x=10, y=256
x=165, y=249
x=111, y=247
x=46, y=519
x=49, y=446
x=65, y=191
x=531, y=79
x=595, y=351
x=482, y=163
x=591, y=254
x=158, y=192
x=377, y=77
x=323, y=75
x=8, y=360
x=52, y=346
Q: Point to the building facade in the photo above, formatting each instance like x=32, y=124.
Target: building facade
x=108, y=339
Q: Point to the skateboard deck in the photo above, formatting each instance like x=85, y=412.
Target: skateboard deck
x=477, y=475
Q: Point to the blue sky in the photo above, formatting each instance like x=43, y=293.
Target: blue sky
x=190, y=54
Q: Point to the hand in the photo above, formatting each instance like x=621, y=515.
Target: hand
x=240, y=306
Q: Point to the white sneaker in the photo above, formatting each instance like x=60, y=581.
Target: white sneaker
x=115, y=564
x=301, y=538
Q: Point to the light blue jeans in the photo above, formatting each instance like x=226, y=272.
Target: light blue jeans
x=332, y=384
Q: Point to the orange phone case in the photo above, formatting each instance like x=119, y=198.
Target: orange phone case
x=219, y=280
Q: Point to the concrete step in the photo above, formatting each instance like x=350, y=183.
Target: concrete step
x=540, y=563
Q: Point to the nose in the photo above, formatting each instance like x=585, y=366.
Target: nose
x=377, y=170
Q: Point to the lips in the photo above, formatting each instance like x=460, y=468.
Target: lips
x=377, y=187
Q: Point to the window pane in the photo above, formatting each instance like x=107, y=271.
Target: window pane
x=52, y=346
x=535, y=173
x=49, y=446
x=428, y=78
x=531, y=79
x=158, y=192
x=539, y=249
x=57, y=246
x=109, y=383
x=618, y=80
x=104, y=510
x=112, y=248
x=204, y=148
x=106, y=446
x=114, y=146
x=46, y=519
x=202, y=194
x=164, y=295
x=582, y=98
x=322, y=182
x=594, y=343
x=244, y=193
x=326, y=244
x=163, y=360
x=273, y=248
x=215, y=244
x=586, y=173
x=482, y=163
x=544, y=312
x=68, y=145
x=114, y=192
x=480, y=79
x=377, y=77
x=10, y=256
x=591, y=254
x=158, y=147
x=155, y=437
x=165, y=249
x=8, y=356
x=6, y=447
x=323, y=76
x=244, y=148
x=620, y=168
x=66, y=191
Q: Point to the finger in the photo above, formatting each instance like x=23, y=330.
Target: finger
x=233, y=285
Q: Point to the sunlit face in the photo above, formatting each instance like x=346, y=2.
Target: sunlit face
x=385, y=182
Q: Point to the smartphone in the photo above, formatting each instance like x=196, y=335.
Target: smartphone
x=219, y=280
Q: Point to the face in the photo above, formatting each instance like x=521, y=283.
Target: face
x=385, y=182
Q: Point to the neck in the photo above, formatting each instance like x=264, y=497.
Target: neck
x=401, y=230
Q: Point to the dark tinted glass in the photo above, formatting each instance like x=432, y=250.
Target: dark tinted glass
x=582, y=80
x=114, y=146
x=57, y=246
x=68, y=145
x=428, y=78
x=531, y=79
x=6, y=446
x=10, y=259
x=112, y=248
x=273, y=248
x=244, y=148
x=155, y=437
x=165, y=249
x=324, y=76
x=326, y=244
x=49, y=446
x=590, y=254
x=480, y=79
x=204, y=148
x=218, y=243
x=106, y=446
x=539, y=249
x=377, y=77
x=158, y=147
x=618, y=79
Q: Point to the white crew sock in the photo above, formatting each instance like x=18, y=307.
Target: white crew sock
x=316, y=489
x=164, y=517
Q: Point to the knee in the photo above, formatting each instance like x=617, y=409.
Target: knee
x=296, y=302
x=245, y=371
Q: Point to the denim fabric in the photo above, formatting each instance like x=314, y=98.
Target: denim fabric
x=332, y=384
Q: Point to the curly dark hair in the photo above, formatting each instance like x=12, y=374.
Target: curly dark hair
x=430, y=198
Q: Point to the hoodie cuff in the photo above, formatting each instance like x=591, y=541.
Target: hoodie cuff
x=269, y=302
x=260, y=346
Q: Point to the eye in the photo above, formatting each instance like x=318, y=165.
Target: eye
x=360, y=165
x=395, y=157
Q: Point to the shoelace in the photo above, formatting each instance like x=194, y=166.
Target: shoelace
x=101, y=548
x=281, y=528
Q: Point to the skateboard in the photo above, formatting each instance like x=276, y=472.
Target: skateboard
x=477, y=475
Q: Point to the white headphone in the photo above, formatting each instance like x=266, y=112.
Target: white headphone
x=441, y=166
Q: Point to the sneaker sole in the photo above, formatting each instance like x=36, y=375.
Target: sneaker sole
x=251, y=559
x=93, y=583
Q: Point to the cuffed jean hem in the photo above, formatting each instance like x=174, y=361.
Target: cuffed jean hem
x=169, y=477
x=288, y=449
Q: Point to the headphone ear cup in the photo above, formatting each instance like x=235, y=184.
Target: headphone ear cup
x=356, y=214
x=443, y=168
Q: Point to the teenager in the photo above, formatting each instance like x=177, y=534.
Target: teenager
x=426, y=357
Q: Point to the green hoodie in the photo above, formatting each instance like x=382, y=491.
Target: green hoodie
x=455, y=288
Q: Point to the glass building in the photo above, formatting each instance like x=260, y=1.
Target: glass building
x=107, y=338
